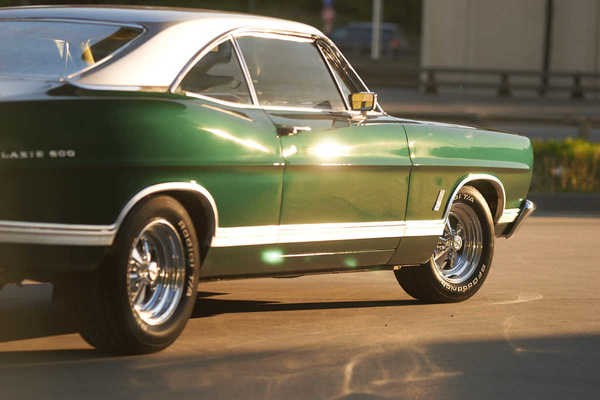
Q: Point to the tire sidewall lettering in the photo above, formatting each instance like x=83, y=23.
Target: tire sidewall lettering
x=464, y=197
x=190, y=258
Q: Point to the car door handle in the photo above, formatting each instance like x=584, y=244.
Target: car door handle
x=284, y=130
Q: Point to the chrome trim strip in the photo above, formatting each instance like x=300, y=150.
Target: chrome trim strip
x=56, y=234
x=277, y=35
x=103, y=235
x=509, y=215
x=438, y=200
x=277, y=108
x=107, y=87
x=333, y=253
x=242, y=62
x=525, y=211
x=305, y=109
x=480, y=177
x=304, y=233
x=332, y=74
x=221, y=102
x=164, y=187
x=197, y=57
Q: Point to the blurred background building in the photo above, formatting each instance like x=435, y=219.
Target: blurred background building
x=510, y=34
x=557, y=37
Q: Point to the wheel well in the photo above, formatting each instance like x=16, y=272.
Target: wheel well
x=492, y=195
x=201, y=213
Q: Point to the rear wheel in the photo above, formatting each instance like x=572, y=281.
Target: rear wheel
x=462, y=257
x=139, y=301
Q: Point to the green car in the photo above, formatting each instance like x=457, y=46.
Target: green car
x=145, y=150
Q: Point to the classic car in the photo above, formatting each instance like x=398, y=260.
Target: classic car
x=144, y=150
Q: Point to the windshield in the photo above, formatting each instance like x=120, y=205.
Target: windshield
x=53, y=50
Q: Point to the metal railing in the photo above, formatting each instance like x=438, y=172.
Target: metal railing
x=431, y=81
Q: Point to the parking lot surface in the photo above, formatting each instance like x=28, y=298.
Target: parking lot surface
x=533, y=331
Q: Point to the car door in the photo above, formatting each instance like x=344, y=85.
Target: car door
x=346, y=179
x=239, y=157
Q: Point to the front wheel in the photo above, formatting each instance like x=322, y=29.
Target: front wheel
x=141, y=298
x=462, y=256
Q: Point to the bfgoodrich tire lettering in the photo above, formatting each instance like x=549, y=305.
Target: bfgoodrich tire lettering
x=115, y=315
x=463, y=255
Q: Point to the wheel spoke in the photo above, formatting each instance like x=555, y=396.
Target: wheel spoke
x=449, y=226
x=146, y=249
x=440, y=254
x=452, y=258
x=141, y=288
x=136, y=257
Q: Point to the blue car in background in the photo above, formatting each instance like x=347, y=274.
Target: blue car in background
x=355, y=39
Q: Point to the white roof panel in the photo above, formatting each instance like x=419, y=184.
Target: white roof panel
x=157, y=62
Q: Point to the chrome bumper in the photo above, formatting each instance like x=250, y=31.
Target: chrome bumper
x=526, y=209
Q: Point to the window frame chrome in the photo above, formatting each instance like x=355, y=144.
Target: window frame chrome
x=245, y=71
x=335, y=79
x=268, y=33
x=174, y=87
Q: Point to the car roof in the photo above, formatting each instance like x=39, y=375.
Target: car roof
x=122, y=14
x=173, y=36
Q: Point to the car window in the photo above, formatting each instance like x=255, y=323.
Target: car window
x=343, y=74
x=54, y=50
x=218, y=74
x=290, y=73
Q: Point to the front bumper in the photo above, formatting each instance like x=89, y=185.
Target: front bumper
x=527, y=207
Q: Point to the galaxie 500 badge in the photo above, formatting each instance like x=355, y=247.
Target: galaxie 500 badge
x=36, y=154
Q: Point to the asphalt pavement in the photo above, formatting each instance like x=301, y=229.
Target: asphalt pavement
x=532, y=332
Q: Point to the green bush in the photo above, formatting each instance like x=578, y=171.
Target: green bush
x=571, y=165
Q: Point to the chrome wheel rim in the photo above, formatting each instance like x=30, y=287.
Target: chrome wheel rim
x=156, y=272
x=460, y=247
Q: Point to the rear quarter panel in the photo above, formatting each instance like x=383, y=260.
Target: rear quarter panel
x=123, y=143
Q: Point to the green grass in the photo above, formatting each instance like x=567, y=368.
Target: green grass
x=571, y=165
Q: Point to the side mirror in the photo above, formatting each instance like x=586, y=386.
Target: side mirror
x=363, y=101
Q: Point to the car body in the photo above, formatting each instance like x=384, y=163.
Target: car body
x=275, y=182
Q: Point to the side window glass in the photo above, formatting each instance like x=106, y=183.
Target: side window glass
x=290, y=73
x=348, y=81
x=218, y=74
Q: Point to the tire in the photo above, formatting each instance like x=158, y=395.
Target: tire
x=142, y=296
x=469, y=238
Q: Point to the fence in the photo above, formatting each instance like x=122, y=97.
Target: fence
x=431, y=80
